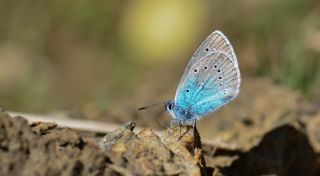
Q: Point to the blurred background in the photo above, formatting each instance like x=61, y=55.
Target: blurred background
x=103, y=59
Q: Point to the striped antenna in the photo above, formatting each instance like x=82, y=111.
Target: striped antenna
x=146, y=107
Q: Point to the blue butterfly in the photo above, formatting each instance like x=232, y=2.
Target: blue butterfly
x=211, y=80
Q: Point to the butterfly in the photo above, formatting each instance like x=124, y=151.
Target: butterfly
x=211, y=80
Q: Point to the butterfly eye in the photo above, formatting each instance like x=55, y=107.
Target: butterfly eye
x=170, y=106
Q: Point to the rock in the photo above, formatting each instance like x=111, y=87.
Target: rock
x=283, y=151
x=56, y=152
x=42, y=127
x=176, y=151
x=109, y=140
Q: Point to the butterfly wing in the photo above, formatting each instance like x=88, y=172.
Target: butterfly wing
x=210, y=83
x=216, y=41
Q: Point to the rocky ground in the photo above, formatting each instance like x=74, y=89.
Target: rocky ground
x=44, y=149
x=268, y=130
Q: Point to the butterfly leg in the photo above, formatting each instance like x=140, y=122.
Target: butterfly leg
x=180, y=125
x=194, y=124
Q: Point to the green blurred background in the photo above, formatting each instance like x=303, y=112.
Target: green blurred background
x=93, y=54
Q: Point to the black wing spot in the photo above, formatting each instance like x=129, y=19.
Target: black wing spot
x=215, y=66
x=195, y=70
x=219, y=71
x=207, y=49
x=220, y=85
x=187, y=90
x=205, y=67
x=220, y=77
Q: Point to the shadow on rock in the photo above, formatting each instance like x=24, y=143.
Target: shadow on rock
x=283, y=151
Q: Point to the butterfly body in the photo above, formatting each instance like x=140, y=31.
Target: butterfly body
x=211, y=80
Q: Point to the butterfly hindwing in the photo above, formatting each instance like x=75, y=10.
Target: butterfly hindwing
x=210, y=83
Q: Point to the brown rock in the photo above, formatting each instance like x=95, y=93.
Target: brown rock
x=58, y=152
x=42, y=127
x=176, y=151
x=282, y=151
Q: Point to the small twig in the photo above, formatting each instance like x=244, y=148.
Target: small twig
x=84, y=125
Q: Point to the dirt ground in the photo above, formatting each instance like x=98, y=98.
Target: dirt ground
x=268, y=130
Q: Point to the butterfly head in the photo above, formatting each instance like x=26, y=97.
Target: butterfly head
x=171, y=108
x=169, y=105
x=177, y=112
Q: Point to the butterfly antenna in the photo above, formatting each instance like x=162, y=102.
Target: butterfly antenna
x=146, y=107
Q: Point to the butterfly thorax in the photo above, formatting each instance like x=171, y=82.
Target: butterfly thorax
x=177, y=112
